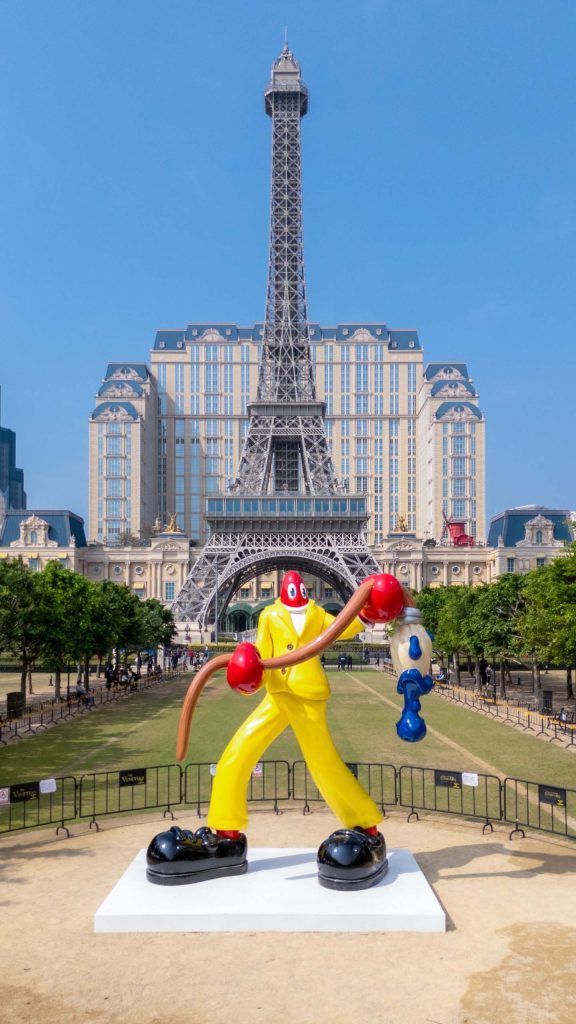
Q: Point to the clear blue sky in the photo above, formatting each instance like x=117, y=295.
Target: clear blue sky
x=439, y=193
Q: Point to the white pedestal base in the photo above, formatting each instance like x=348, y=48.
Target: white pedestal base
x=280, y=893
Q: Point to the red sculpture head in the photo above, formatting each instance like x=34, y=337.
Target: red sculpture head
x=293, y=593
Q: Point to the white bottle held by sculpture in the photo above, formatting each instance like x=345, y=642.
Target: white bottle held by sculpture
x=410, y=643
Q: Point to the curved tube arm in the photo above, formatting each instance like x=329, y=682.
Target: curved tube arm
x=310, y=650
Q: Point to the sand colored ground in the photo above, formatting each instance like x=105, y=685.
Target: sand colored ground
x=509, y=953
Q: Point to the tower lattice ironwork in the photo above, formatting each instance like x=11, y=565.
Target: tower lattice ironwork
x=285, y=507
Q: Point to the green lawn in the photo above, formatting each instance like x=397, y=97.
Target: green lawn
x=141, y=731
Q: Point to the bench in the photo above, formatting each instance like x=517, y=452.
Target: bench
x=562, y=719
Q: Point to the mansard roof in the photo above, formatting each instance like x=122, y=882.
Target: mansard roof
x=171, y=340
x=132, y=387
x=509, y=525
x=454, y=409
x=453, y=385
x=458, y=369
x=126, y=371
x=62, y=525
x=115, y=411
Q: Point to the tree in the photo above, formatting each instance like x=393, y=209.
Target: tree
x=445, y=612
x=494, y=621
x=21, y=615
x=62, y=595
x=548, y=623
x=156, y=624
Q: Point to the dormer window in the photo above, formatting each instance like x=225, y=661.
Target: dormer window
x=34, y=537
x=539, y=537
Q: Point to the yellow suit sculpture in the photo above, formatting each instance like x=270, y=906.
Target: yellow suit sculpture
x=352, y=857
x=297, y=697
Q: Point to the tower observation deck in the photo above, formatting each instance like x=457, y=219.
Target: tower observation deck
x=285, y=508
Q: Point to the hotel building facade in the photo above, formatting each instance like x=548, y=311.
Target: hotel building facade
x=166, y=437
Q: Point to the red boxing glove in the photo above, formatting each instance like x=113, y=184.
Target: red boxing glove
x=244, y=671
x=385, y=601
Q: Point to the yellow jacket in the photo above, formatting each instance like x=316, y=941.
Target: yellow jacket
x=276, y=635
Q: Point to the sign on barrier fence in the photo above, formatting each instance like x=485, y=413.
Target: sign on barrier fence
x=269, y=783
x=547, y=808
x=450, y=792
x=57, y=801
x=40, y=802
x=379, y=780
x=132, y=789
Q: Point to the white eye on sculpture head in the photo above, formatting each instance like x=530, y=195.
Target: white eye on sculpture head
x=303, y=591
x=292, y=591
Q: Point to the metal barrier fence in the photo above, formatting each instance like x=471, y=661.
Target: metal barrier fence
x=521, y=713
x=538, y=806
x=31, y=804
x=379, y=780
x=269, y=782
x=40, y=715
x=130, y=789
x=469, y=794
x=61, y=801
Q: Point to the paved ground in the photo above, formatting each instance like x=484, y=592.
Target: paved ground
x=509, y=953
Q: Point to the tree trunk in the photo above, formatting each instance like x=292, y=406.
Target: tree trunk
x=477, y=680
x=535, y=669
x=57, y=682
x=23, y=678
x=99, y=669
x=86, y=667
x=569, y=686
x=456, y=660
x=29, y=675
x=502, y=678
x=471, y=671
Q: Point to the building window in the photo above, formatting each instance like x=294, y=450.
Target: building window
x=245, y=592
x=169, y=591
x=539, y=537
x=34, y=564
x=540, y=562
x=510, y=564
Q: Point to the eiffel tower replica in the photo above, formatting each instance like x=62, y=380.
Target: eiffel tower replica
x=285, y=508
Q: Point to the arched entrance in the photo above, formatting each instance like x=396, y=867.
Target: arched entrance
x=215, y=593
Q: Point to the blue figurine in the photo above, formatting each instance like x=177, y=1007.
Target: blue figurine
x=411, y=650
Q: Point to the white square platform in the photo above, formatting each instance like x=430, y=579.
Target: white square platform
x=279, y=893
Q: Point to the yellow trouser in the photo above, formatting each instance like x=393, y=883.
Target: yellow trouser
x=341, y=791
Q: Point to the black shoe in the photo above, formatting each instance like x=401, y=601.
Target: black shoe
x=180, y=856
x=352, y=859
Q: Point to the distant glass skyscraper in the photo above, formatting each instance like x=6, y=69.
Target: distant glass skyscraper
x=12, y=493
